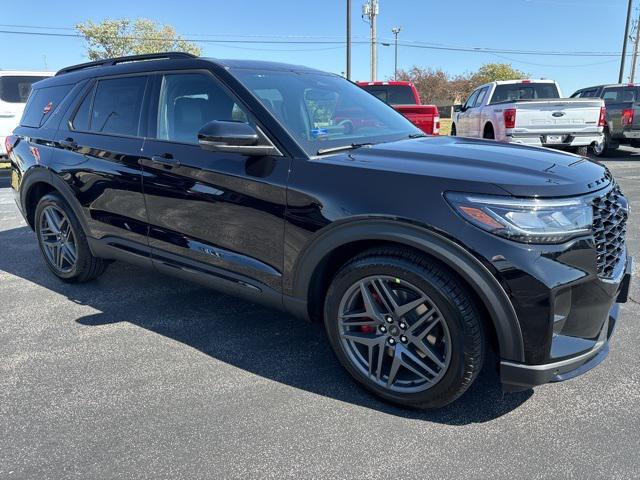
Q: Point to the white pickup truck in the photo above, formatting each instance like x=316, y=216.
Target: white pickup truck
x=531, y=112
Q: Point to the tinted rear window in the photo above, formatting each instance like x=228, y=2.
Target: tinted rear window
x=116, y=106
x=42, y=103
x=392, y=94
x=524, y=91
x=620, y=94
x=16, y=89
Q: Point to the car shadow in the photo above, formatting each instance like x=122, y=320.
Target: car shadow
x=622, y=154
x=260, y=340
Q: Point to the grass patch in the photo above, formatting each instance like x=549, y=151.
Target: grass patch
x=445, y=126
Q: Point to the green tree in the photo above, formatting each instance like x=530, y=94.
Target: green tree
x=117, y=38
x=438, y=86
x=493, y=72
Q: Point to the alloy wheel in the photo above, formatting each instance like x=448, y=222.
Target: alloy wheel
x=394, y=334
x=57, y=239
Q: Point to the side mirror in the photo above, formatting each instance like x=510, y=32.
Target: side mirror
x=235, y=137
x=458, y=108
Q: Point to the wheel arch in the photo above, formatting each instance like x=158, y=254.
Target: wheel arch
x=341, y=242
x=488, y=125
x=38, y=183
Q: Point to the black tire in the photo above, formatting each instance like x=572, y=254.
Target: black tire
x=453, y=130
x=582, y=151
x=488, y=133
x=445, y=291
x=86, y=267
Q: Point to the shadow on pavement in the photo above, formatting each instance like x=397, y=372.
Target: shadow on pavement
x=262, y=341
x=620, y=154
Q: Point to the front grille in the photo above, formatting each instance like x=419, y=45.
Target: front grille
x=610, y=213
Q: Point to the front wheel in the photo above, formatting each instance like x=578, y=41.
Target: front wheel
x=582, y=151
x=405, y=328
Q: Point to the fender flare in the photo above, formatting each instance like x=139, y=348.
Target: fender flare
x=44, y=175
x=477, y=276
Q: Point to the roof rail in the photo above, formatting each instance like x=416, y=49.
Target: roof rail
x=130, y=58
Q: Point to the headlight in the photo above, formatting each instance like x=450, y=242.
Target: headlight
x=525, y=220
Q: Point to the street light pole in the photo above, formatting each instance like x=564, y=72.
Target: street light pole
x=396, y=31
x=348, y=39
x=624, y=45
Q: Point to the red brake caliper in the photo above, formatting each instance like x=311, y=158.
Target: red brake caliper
x=369, y=328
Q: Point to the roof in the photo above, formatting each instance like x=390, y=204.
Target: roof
x=156, y=62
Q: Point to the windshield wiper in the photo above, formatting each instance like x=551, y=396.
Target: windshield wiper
x=342, y=148
x=417, y=135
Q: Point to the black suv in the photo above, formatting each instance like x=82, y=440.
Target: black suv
x=296, y=188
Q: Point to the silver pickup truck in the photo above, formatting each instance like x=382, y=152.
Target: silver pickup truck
x=531, y=112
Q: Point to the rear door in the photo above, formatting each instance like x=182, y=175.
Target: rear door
x=463, y=126
x=475, y=114
x=220, y=214
x=98, y=149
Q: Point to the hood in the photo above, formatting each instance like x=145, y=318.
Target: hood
x=518, y=170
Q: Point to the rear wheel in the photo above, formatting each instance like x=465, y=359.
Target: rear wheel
x=63, y=243
x=489, y=134
x=604, y=148
x=453, y=130
x=405, y=328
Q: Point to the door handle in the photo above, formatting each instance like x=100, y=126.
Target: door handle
x=68, y=143
x=166, y=160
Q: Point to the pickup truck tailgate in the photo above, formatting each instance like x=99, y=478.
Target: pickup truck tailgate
x=562, y=116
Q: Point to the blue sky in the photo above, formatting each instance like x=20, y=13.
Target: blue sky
x=549, y=25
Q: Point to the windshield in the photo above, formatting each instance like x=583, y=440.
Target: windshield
x=392, y=94
x=16, y=89
x=324, y=111
x=524, y=91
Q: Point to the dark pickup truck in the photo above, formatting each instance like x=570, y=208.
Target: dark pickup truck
x=623, y=115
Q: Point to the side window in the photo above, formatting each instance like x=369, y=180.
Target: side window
x=612, y=95
x=481, y=96
x=190, y=100
x=471, y=100
x=80, y=120
x=116, y=106
x=42, y=103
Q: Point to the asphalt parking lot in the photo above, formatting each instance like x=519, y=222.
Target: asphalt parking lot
x=141, y=376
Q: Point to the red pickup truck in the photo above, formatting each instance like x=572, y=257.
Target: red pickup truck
x=404, y=98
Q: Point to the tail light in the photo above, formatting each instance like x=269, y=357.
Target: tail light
x=9, y=143
x=436, y=125
x=510, y=118
x=602, y=121
x=627, y=117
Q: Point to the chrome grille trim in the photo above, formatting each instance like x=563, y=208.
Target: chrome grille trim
x=610, y=214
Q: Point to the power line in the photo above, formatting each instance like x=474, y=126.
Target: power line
x=290, y=41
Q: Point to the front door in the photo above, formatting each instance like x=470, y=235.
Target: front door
x=216, y=213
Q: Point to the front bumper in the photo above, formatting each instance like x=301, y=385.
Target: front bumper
x=519, y=376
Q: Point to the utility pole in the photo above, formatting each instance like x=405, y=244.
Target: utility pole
x=348, y=39
x=624, y=45
x=371, y=10
x=396, y=31
x=636, y=43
